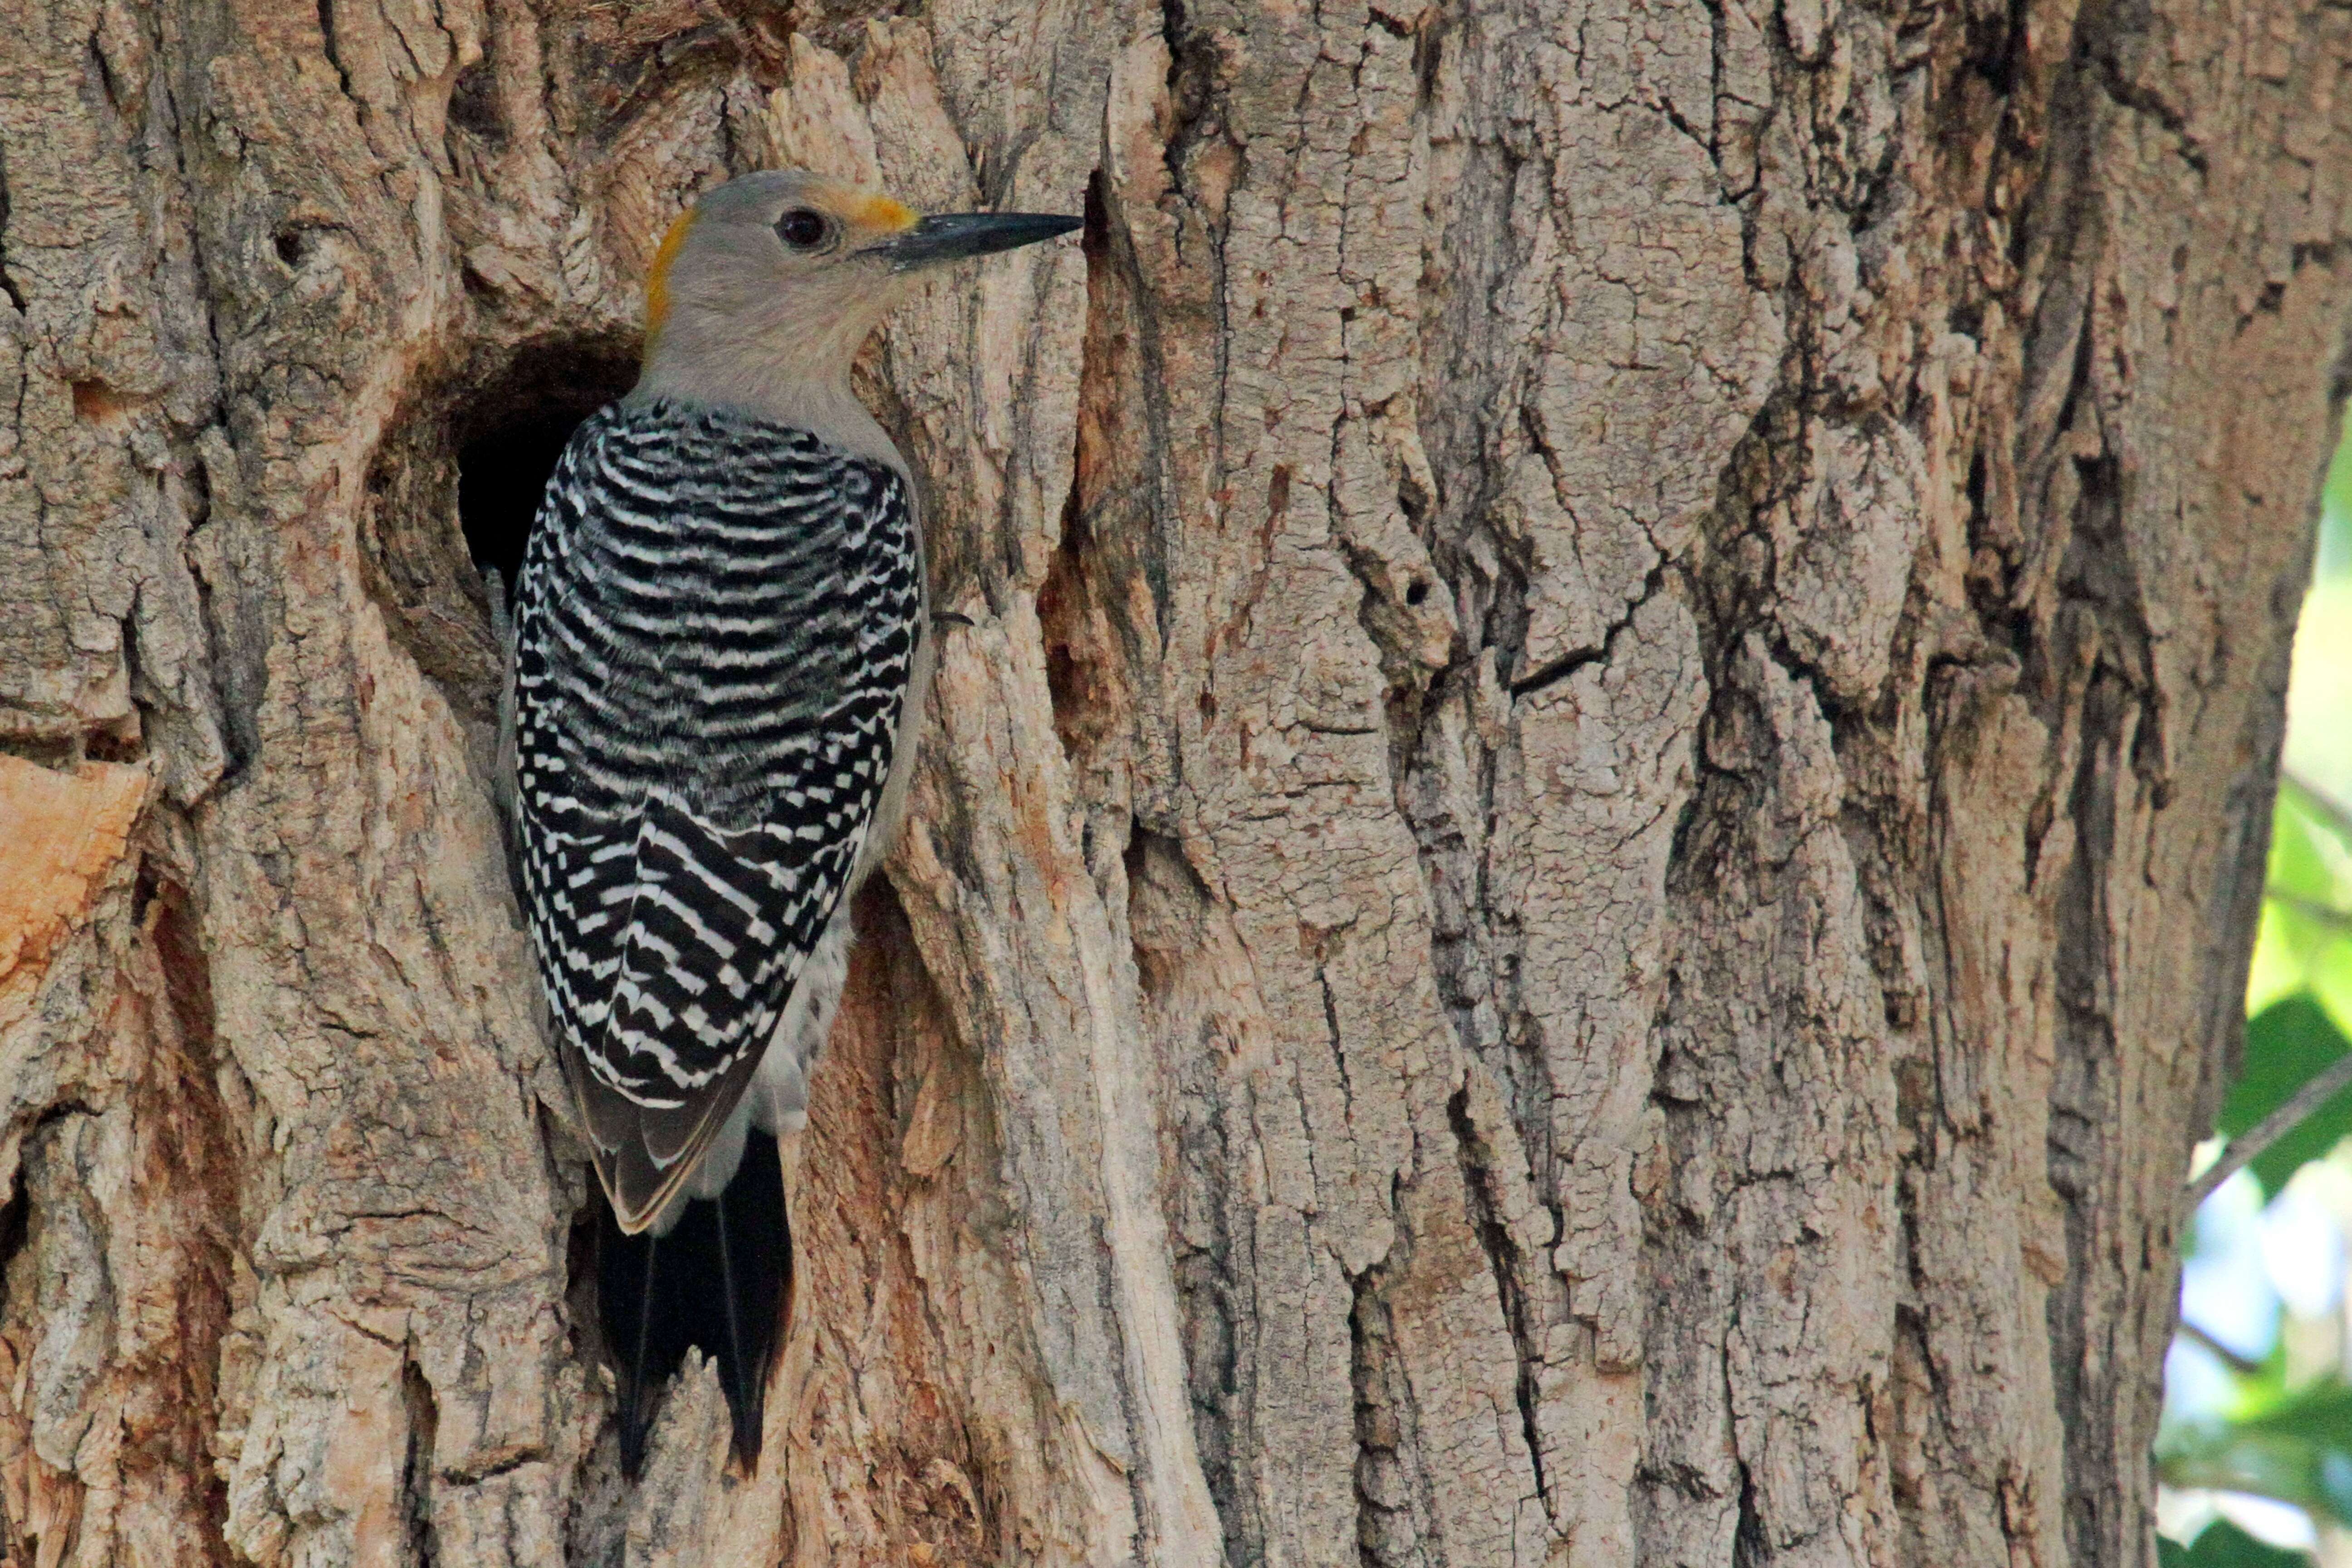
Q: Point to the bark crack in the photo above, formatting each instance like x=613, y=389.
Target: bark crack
x=327, y=45
x=8, y=289
x=1503, y=1259
x=417, y=1477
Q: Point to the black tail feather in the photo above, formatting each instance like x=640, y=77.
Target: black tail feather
x=721, y=1281
x=639, y=1326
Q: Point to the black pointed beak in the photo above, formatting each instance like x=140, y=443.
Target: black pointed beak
x=952, y=236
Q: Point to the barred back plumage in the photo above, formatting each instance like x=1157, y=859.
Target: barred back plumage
x=717, y=621
x=716, y=656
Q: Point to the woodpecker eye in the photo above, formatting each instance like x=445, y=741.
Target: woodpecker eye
x=804, y=229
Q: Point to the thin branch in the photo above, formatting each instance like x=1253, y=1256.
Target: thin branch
x=2339, y=819
x=2338, y=816
x=2312, y=909
x=2328, y=1081
x=2244, y=1366
x=2323, y=1087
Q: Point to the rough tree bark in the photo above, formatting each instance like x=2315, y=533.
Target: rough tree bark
x=1574, y=896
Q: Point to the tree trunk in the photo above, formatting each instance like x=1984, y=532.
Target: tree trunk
x=1573, y=898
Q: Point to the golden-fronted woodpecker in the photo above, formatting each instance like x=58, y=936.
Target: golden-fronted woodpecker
x=720, y=650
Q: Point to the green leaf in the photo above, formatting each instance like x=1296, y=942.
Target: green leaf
x=2306, y=935
x=2278, y=966
x=2300, y=946
x=2311, y=856
x=2329, y=971
x=2319, y=693
x=2319, y=1414
x=2286, y=1044
x=2222, y=1544
x=2297, y=1450
x=2335, y=552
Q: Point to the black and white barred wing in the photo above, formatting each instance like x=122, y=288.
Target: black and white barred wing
x=685, y=940
x=718, y=625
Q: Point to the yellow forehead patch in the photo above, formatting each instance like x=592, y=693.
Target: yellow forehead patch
x=870, y=210
x=657, y=276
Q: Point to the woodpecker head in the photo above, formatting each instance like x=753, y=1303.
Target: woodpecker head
x=785, y=273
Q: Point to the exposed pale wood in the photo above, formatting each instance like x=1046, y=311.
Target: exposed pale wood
x=1588, y=833
x=66, y=831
